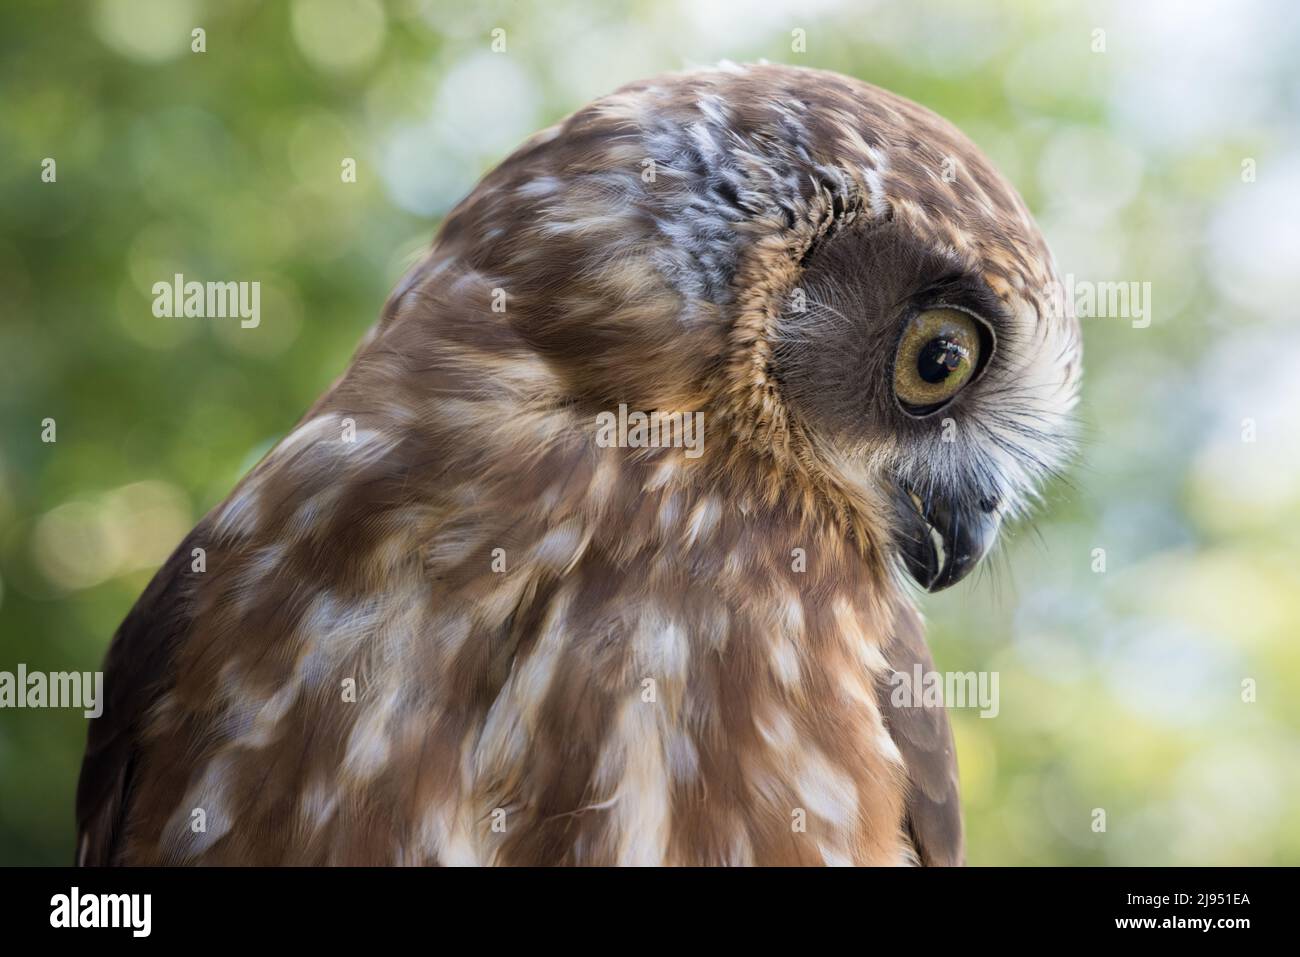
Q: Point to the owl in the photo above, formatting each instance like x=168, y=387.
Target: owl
x=604, y=549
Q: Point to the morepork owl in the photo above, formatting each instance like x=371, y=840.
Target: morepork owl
x=597, y=552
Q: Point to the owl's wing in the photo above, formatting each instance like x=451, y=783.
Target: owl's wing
x=924, y=738
x=135, y=671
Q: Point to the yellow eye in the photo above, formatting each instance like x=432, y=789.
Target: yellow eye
x=938, y=354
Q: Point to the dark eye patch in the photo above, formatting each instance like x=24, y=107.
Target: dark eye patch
x=834, y=361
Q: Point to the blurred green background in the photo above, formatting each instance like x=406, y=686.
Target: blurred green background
x=1120, y=690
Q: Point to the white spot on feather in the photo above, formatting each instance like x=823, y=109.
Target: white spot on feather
x=632, y=766
x=827, y=791
x=241, y=514
x=369, y=743
x=702, y=520
x=208, y=794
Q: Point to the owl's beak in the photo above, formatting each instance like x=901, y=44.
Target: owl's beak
x=942, y=540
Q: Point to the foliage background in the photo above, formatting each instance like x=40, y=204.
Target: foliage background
x=1119, y=690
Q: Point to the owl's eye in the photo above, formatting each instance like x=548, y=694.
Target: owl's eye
x=941, y=350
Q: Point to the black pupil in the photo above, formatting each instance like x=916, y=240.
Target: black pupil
x=939, y=358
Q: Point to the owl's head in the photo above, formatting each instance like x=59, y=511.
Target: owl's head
x=935, y=366
x=833, y=274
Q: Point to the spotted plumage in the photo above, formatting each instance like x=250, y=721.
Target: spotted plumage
x=440, y=624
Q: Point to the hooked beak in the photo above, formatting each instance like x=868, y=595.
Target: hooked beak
x=942, y=540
